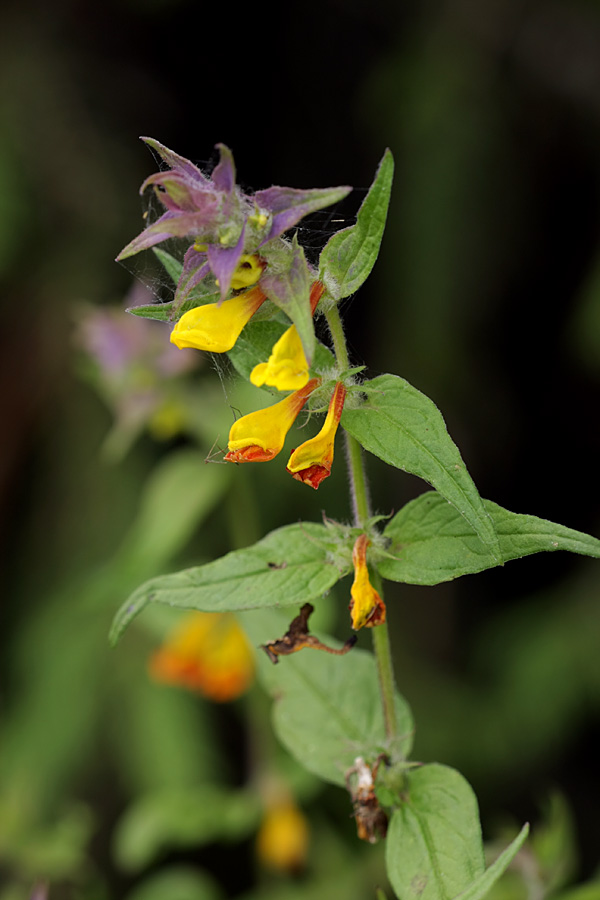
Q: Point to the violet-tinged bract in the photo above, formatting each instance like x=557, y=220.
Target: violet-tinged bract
x=224, y=225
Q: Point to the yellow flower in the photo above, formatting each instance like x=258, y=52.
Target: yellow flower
x=282, y=840
x=287, y=367
x=208, y=653
x=259, y=436
x=311, y=462
x=217, y=327
x=366, y=607
x=249, y=270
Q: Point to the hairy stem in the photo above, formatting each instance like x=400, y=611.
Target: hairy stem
x=385, y=672
x=359, y=492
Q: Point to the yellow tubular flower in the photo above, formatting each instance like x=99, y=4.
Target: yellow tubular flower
x=311, y=462
x=259, y=436
x=287, y=367
x=249, y=270
x=208, y=653
x=282, y=840
x=217, y=328
x=366, y=607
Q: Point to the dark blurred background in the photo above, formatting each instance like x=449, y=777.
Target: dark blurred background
x=486, y=297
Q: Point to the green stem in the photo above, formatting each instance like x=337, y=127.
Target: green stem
x=334, y=321
x=358, y=479
x=358, y=482
x=362, y=511
x=385, y=672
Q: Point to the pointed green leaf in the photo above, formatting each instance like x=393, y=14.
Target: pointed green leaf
x=328, y=710
x=405, y=428
x=431, y=542
x=173, y=267
x=288, y=567
x=289, y=289
x=171, y=311
x=433, y=848
x=348, y=257
x=480, y=887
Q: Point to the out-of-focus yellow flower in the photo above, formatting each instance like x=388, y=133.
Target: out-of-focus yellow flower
x=249, y=270
x=311, y=462
x=208, y=653
x=366, y=607
x=259, y=436
x=215, y=327
x=287, y=367
x=167, y=421
x=282, y=840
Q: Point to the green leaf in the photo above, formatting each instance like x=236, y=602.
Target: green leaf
x=172, y=266
x=348, y=257
x=405, y=429
x=289, y=289
x=480, y=887
x=171, y=311
x=328, y=709
x=288, y=567
x=431, y=542
x=434, y=849
x=170, y=819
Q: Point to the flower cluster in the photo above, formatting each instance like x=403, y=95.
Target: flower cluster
x=237, y=262
x=233, y=236
x=236, y=244
x=260, y=436
x=137, y=375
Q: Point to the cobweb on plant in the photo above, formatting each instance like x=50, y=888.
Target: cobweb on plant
x=313, y=233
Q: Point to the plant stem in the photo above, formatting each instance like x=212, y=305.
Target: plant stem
x=358, y=480
x=385, y=672
x=337, y=334
x=362, y=511
x=359, y=490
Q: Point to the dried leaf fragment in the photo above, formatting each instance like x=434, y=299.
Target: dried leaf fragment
x=297, y=638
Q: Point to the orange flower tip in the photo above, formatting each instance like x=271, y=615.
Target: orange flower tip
x=252, y=453
x=313, y=475
x=369, y=618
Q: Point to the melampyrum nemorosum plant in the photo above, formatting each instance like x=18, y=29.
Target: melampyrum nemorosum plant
x=244, y=287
